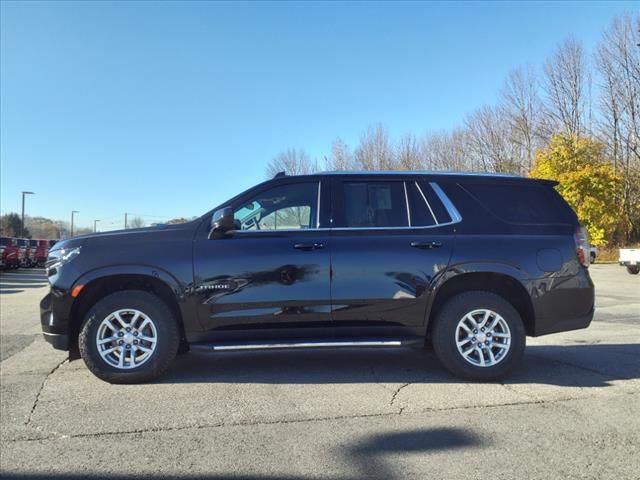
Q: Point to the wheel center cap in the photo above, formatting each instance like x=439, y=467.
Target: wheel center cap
x=128, y=338
x=481, y=337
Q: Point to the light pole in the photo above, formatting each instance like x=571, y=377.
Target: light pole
x=95, y=226
x=23, y=194
x=73, y=212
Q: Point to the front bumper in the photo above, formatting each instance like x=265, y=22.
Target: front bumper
x=59, y=341
x=55, y=310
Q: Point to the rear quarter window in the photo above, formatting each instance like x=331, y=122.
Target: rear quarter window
x=529, y=204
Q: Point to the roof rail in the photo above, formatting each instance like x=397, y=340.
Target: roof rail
x=280, y=174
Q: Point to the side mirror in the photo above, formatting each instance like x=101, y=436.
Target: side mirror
x=222, y=222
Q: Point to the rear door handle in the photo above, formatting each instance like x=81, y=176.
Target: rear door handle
x=308, y=246
x=426, y=245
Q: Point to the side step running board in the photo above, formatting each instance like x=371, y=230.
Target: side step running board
x=216, y=347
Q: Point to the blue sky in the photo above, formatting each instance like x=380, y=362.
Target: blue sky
x=167, y=109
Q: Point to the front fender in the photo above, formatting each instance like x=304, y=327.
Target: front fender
x=133, y=269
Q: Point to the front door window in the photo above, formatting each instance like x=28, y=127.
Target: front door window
x=285, y=207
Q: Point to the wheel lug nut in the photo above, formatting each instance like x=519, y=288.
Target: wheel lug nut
x=473, y=339
x=475, y=331
x=135, y=334
x=135, y=342
x=120, y=334
x=128, y=329
x=482, y=329
x=128, y=347
x=120, y=342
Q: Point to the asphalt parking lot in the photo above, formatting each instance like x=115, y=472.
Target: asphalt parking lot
x=572, y=410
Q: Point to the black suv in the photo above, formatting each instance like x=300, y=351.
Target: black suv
x=471, y=263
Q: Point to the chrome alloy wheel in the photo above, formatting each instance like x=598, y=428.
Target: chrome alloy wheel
x=126, y=338
x=483, y=338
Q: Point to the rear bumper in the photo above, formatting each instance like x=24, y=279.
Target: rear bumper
x=562, y=303
x=545, y=327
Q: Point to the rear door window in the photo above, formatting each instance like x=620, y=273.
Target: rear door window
x=422, y=214
x=374, y=204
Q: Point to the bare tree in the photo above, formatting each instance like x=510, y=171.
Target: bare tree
x=292, y=162
x=521, y=103
x=409, y=154
x=341, y=157
x=487, y=142
x=617, y=59
x=135, y=222
x=446, y=151
x=375, y=151
x=565, y=85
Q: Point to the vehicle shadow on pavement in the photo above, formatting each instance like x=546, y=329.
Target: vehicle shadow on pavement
x=588, y=365
x=368, y=455
x=17, y=281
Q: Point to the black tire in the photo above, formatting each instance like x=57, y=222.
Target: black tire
x=168, y=337
x=444, y=335
x=633, y=270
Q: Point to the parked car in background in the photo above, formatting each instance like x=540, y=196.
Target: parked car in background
x=630, y=258
x=42, y=251
x=593, y=253
x=23, y=246
x=9, y=253
x=33, y=252
x=470, y=263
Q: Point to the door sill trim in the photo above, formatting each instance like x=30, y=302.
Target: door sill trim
x=217, y=347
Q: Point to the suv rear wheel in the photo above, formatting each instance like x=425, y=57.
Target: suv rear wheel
x=479, y=336
x=129, y=337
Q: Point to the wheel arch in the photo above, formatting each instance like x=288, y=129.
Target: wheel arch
x=97, y=284
x=505, y=281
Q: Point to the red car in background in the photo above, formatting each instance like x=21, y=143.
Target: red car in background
x=25, y=252
x=42, y=251
x=9, y=253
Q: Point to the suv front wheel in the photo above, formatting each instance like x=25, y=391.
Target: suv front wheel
x=479, y=336
x=129, y=337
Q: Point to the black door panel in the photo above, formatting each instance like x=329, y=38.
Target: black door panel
x=261, y=280
x=380, y=282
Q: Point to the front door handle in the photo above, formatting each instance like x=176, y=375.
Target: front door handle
x=426, y=245
x=308, y=246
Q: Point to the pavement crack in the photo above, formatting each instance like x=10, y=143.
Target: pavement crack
x=141, y=431
x=395, y=395
x=35, y=402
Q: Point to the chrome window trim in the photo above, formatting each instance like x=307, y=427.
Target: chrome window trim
x=406, y=200
x=427, y=202
x=450, y=207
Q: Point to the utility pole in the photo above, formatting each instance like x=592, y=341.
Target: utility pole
x=95, y=225
x=23, y=194
x=125, y=221
x=73, y=212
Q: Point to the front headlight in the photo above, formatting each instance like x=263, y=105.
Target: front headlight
x=58, y=258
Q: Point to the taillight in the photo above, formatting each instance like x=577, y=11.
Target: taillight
x=582, y=246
